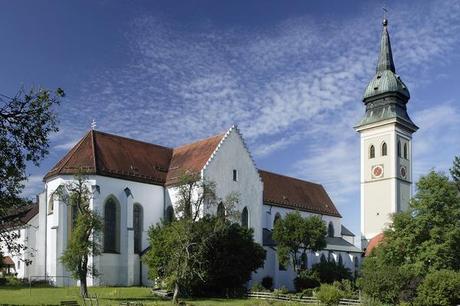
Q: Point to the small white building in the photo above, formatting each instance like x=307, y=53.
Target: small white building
x=23, y=225
x=134, y=187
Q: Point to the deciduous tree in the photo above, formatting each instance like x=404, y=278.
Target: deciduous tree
x=85, y=229
x=26, y=122
x=296, y=235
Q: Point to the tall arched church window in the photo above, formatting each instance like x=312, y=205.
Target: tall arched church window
x=323, y=258
x=330, y=230
x=372, y=151
x=276, y=219
x=340, y=260
x=399, y=148
x=245, y=218
x=384, y=149
x=169, y=214
x=405, y=151
x=72, y=213
x=111, y=226
x=138, y=220
x=221, y=210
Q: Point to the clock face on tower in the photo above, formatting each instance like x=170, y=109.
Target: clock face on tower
x=377, y=171
x=403, y=171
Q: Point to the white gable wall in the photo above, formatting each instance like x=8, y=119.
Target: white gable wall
x=232, y=154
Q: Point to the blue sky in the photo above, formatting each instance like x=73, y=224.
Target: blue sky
x=291, y=74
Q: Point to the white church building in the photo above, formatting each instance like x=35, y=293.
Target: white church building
x=134, y=183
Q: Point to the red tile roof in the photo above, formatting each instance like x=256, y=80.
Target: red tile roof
x=373, y=243
x=191, y=157
x=7, y=261
x=289, y=192
x=114, y=156
x=18, y=216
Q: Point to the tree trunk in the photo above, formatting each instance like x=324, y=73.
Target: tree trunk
x=83, y=274
x=176, y=293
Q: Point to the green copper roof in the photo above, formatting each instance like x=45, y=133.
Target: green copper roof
x=386, y=95
x=385, y=80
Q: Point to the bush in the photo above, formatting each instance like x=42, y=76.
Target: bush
x=384, y=282
x=257, y=287
x=329, y=295
x=439, y=288
x=267, y=282
x=306, y=279
x=280, y=291
x=348, y=289
x=329, y=272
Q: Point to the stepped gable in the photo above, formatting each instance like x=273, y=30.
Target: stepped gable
x=289, y=192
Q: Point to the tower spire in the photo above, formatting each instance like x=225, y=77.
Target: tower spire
x=385, y=61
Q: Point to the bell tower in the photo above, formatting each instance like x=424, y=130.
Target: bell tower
x=386, y=145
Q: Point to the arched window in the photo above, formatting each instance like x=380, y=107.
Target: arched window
x=72, y=212
x=399, y=148
x=405, y=151
x=330, y=230
x=245, y=218
x=340, y=260
x=356, y=262
x=303, y=261
x=169, y=214
x=221, y=210
x=111, y=226
x=138, y=220
x=276, y=219
x=323, y=258
x=384, y=149
x=372, y=151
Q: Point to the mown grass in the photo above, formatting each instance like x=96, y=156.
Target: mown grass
x=109, y=296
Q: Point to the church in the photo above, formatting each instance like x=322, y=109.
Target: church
x=134, y=185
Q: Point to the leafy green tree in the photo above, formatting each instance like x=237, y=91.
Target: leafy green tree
x=423, y=239
x=26, y=123
x=329, y=272
x=231, y=255
x=85, y=230
x=455, y=171
x=439, y=288
x=296, y=235
x=181, y=260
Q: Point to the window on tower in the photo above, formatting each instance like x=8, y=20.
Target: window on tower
x=384, y=149
x=399, y=148
x=405, y=150
x=372, y=151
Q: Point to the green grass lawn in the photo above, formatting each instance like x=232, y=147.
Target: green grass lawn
x=107, y=296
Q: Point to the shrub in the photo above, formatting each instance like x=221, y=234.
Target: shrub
x=329, y=295
x=257, y=287
x=348, y=289
x=280, y=291
x=306, y=279
x=329, y=272
x=439, y=288
x=384, y=282
x=267, y=282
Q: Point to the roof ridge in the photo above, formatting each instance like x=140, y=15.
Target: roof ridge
x=69, y=155
x=291, y=177
x=135, y=140
x=93, y=145
x=200, y=140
